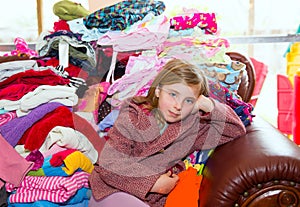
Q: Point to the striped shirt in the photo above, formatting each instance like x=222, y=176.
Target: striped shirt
x=56, y=189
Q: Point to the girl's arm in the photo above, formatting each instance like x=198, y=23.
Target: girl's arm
x=220, y=124
x=122, y=164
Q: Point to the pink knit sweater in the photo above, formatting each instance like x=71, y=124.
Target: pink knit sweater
x=136, y=154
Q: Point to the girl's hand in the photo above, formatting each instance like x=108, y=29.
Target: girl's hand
x=165, y=183
x=204, y=103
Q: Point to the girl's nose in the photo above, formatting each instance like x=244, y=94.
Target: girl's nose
x=177, y=105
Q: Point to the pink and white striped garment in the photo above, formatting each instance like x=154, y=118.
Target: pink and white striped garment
x=56, y=189
x=6, y=117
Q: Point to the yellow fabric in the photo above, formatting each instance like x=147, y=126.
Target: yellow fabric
x=77, y=160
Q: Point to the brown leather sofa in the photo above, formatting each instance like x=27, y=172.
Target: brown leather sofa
x=260, y=169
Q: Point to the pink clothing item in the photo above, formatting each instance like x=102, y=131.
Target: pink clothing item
x=150, y=35
x=175, y=41
x=55, y=148
x=92, y=99
x=139, y=74
x=115, y=199
x=22, y=48
x=56, y=189
x=11, y=161
x=4, y=118
x=197, y=50
x=205, y=21
x=37, y=157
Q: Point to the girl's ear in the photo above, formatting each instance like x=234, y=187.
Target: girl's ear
x=157, y=90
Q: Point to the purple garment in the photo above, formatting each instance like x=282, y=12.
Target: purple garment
x=13, y=130
x=12, y=161
x=116, y=199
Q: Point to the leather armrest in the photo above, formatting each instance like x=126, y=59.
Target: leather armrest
x=261, y=168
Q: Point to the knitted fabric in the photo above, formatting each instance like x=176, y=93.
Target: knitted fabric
x=45, y=77
x=58, y=158
x=13, y=130
x=61, y=116
x=77, y=160
x=132, y=155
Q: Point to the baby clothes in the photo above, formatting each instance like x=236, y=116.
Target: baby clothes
x=207, y=21
x=149, y=33
x=119, y=16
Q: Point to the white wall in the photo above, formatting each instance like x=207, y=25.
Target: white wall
x=95, y=5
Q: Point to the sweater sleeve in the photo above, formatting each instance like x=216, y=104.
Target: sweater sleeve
x=219, y=126
x=121, y=164
x=127, y=172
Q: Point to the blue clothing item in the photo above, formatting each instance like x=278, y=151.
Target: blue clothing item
x=3, y=111
x=80, y=199
x=65, y=33
x=49, y=170
x=88, y=35
x=109, y=120
x=180, y=33
x=123, y=14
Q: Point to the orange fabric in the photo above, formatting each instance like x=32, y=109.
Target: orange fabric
x=186, y=192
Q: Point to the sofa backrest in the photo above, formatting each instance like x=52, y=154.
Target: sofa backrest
x=247, y=84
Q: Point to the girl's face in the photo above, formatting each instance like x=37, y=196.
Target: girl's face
x=176, y=101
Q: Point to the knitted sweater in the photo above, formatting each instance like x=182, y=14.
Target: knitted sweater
x=136, y=154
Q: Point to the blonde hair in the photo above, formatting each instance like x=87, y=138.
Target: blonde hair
x=174, y=71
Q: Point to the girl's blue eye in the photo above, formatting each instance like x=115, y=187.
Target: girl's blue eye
x=189, y=101
x=172, y=94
